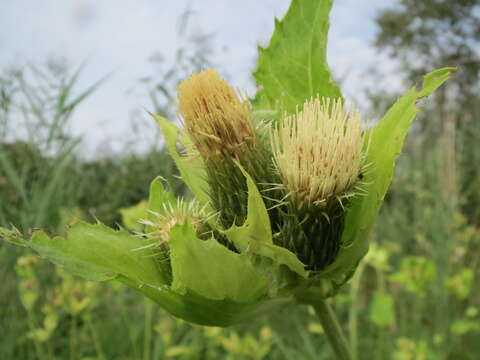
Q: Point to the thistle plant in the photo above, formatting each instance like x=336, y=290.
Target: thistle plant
x=287, y=186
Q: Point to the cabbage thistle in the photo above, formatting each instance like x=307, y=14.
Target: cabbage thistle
x=286, y=188
x=281, y=213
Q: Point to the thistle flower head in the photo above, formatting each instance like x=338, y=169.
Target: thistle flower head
x=214, y=116
x=180, y=213
x=318, y=151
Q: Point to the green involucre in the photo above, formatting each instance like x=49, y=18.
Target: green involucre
x=255, y=235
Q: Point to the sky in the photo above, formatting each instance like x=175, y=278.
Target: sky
x=120, y=36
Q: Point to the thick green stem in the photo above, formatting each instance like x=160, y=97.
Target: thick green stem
x=332, y=330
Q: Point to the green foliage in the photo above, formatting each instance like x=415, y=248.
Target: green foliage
x=432, y=285
x=99, y=253
x=293, y=67
x=102, y=195
x=37, y=158
x=212, y=270
x=415, y=274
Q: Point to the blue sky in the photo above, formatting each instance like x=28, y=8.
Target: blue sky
x=120, y=36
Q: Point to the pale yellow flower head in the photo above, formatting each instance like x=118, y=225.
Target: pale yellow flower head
x=178, y=213
x=318, y=152
x=215, y=118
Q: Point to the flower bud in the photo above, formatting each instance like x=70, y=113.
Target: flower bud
x=318, y=152
x=214, y=117
x=318, y=155
x=179, y=213
x=220, y=126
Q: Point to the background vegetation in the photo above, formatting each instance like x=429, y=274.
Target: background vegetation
x=415, y=296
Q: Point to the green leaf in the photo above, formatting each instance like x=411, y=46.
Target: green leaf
x=255, y=235
x=191, y=170
x=198, y=309
x=99, y=253
x=293, y=67
x=96, y=252
x=384, y=143
x=158, y=197
x=212, y=270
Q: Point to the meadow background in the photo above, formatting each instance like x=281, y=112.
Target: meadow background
x=414, y=297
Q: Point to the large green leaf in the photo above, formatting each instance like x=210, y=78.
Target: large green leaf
x=384, y=143
x=293, y=67
x=198, y=309
x=255, y=235
x=212, y=270
x=191, y=169
x=99, y=253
